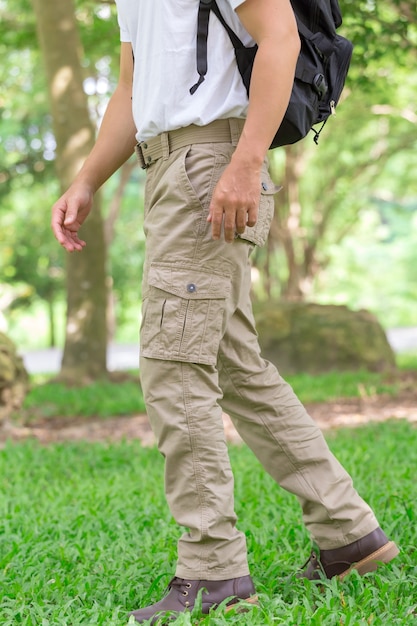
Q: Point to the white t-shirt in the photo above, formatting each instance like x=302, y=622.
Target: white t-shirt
x=163, y=37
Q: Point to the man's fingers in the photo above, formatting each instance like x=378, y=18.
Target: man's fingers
x=233, y=221
x=69, y=240
x=58, y=216
x=71, y=216
x=229, y=225
x=65, y=225
x=241, y=221
x=252, y=216
x=73, y=208
x=215, y=217
x=223, y=218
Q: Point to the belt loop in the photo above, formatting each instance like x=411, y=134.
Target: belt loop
x=165, y=145
x=139, y=156
x=235, y=130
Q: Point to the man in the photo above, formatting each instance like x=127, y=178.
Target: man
x=208, y=202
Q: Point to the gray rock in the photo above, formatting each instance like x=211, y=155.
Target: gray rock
x=314, y=338
x=14, y=379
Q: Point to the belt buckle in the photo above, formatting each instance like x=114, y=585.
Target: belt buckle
x=140, y=157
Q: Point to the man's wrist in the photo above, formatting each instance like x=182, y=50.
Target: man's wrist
x=87, y=181
x=247, y=157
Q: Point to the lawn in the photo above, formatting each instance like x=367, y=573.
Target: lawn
x=123, y=397
x=85, y=535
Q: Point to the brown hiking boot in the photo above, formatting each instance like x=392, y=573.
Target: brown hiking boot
x=182, y=595
x=363, y=555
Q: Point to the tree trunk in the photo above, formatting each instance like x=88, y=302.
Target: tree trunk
x=86, y=333
x=51, y=319
x=286, y=229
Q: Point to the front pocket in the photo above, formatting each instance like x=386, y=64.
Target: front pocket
x=183, y=314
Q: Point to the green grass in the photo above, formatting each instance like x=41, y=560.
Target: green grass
x=98, y=399
x=407, y=360
x=123, y=397
x=327, y=387
x=85, y=535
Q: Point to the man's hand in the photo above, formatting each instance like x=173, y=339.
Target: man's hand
x=69, y=213
x=235, y=201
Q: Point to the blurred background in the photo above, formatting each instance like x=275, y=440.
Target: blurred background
x=345, y=226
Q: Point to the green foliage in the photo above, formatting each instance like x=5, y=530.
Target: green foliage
x=86, y=536
x=384, y=35
x=31, y=262
x=360, y=265
x=123, y=397
x=98, y=399
x=25, y=252
x=407, y=361
x=334, y=385
x=126, y=254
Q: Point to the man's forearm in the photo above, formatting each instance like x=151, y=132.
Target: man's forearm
x=115, y=142
x=273, y=26
x=269, y=97
x=236, y=197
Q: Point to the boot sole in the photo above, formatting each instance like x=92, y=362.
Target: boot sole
x=385, y=554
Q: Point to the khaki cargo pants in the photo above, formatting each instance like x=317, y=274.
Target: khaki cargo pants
x=200, y=355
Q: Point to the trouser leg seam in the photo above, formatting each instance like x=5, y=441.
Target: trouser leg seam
x=196, y=465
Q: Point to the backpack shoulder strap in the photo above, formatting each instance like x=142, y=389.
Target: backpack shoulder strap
x=204, y=9
x=323, y=43
x=232, y=35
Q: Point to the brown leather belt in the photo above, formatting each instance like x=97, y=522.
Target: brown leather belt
x=161, y=146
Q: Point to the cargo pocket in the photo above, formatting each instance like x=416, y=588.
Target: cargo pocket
x=258, y=234
x=183, y=314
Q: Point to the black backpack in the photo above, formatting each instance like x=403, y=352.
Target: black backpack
x=321, y=69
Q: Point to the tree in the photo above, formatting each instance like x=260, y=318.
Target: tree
x=86, y=333
x=30, y=260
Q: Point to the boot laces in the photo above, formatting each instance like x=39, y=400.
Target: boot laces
x=180, y=584
x=313, y=560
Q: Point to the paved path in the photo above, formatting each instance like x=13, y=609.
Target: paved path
x=48, y=361
x=125, y=357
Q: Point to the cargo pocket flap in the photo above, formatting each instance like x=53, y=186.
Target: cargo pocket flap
x=189, y=283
